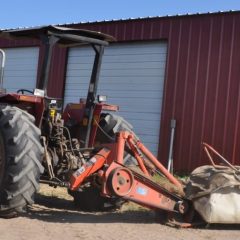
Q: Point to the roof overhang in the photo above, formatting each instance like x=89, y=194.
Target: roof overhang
x=66, y=36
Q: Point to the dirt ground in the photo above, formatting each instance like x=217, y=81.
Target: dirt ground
x=55, y=218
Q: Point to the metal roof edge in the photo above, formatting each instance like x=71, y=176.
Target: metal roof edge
x=132, y=19
x=153, y=17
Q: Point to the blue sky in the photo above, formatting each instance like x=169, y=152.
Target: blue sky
x=21, y=13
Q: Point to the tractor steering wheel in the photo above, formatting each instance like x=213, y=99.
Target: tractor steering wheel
x=24, y=90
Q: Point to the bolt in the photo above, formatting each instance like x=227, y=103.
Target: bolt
x=121, y=180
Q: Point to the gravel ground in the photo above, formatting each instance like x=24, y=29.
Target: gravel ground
x=54, y=218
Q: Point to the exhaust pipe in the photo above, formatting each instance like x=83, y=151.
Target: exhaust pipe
x=2, y=90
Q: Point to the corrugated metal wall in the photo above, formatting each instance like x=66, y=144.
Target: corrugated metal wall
x=131, y=73
x=202, y=87
x=57, y=71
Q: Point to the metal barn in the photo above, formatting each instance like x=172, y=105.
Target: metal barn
x=160, y=68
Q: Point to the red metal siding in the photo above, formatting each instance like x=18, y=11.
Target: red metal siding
x=200, y=99
x=202, y=90
x=57, y=73
x=202, y=87
x=4, y=43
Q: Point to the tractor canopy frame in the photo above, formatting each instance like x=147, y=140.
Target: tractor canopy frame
x=49, y=36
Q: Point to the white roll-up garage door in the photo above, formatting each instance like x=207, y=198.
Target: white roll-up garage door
x=132, y=77
x=21, y=68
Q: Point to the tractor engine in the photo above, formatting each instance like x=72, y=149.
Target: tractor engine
x=62, y=152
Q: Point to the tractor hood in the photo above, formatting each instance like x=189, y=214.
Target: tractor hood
x=67, y=36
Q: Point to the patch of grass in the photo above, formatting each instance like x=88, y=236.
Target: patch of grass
x=59, y=192
x=131, y=206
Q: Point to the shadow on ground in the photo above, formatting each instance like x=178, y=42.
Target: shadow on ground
x=53, y=209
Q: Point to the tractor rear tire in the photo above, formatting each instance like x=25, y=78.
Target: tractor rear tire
x=20, y=160
x=110, y=124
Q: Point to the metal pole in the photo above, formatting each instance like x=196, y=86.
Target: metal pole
x=170, y=156
x=92, y=90
x=2, y=68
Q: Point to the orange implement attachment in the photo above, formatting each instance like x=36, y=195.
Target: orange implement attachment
x=134, y=185
x=94, y=164
x=140, y=151
x=130, y=185
x=121, y=181
x=154, y=160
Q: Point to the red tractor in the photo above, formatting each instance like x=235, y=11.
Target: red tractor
x=84, y=147
x=91, y=152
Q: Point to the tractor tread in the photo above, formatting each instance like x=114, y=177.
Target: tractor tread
x=23, y=155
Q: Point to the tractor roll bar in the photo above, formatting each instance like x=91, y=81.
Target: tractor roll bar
x=2, y=67
x=67, y=37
